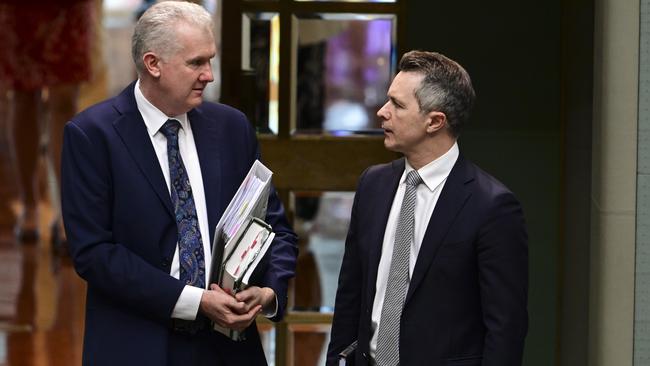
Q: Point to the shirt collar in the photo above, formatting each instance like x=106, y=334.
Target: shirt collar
x=153, y=117
x=434, y=173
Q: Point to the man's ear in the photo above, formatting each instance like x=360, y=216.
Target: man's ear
x=436, y=121
x=152, y=64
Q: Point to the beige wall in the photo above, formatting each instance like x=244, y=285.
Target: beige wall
x=611, y=300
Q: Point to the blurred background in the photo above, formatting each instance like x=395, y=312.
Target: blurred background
x=562, y=118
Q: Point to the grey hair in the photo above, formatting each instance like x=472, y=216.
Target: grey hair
x=446, y=86
x=155, y=31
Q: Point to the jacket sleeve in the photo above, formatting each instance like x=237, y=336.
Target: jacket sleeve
x=108, y=267
x=283, y=253
x=503, y=280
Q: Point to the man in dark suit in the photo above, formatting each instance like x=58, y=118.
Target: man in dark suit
x=146, y=177
x=435, y=270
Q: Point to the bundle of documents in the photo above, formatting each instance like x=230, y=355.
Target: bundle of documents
x=252, y=244
x=241, y=236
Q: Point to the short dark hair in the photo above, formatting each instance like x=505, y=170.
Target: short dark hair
x=446, y=86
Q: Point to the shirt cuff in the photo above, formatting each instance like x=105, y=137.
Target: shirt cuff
x=271, y=310
x=187, y=305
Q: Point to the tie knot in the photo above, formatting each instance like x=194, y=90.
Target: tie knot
x=413, y=178
x=170, y=128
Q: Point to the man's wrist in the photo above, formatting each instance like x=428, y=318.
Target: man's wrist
x=269, y=296
x=270, y=306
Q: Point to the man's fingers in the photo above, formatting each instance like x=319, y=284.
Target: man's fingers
x=254, y=311
x=245, y=295
x=241, y=321
x=248, y=319
x=256, y=295
x=237, y=306
x=216, y=287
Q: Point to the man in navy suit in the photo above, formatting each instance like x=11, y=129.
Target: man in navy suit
x=455, y=292
x=146, y=177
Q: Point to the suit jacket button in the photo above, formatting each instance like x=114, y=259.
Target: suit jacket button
x=165, y=263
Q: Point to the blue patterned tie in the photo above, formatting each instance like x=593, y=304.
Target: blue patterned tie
x=192, y=263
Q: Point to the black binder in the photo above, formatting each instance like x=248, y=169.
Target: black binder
x=346, y=357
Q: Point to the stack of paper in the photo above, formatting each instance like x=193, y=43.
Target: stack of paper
x=251, y=187
x=252, y=244
x=241, y=236
x=250, y=201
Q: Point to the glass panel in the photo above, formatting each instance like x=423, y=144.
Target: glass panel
x=267, y=337
x=321, y=220
x=353, y=1
x=260, y=69
x=344, y=65
x=308, y=343
x=118, y=20
x=3, y=348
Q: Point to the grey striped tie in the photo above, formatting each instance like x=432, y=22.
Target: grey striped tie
x=398, y=278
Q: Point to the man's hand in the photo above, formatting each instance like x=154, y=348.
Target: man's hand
x=226, y=310
x=254, y=296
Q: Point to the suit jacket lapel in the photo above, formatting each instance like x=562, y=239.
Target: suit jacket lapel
x=205, y=138
x=384, y=200
x=452, y=199
x=131, y=128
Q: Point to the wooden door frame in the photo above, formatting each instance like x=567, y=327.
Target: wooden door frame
x=301, y=162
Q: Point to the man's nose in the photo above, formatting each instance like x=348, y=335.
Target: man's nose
x=206, y=75
x=383, y=112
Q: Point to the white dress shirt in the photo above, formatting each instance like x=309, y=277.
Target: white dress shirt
x=187, y=305
x=434, y=175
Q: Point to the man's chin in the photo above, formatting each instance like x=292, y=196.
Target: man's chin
x=389, y=144
x=195, y=102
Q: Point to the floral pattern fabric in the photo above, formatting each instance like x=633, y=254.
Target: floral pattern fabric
x=45, y=43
